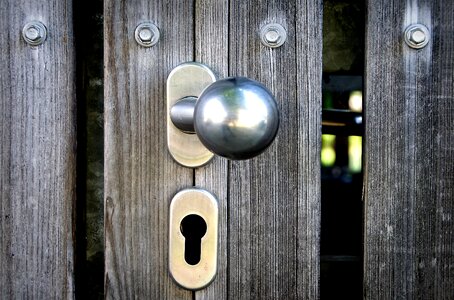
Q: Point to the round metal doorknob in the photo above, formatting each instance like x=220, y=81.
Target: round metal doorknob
x=236, y=118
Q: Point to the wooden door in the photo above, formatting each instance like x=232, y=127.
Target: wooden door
x=269, y=205
x=37, y=152
x=270, y=210
x=409, y=154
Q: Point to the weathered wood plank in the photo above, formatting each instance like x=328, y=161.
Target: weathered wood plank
x=37, y=153
x=211, y=48
x=140, y=176
x=409, y=154
x=274, y=199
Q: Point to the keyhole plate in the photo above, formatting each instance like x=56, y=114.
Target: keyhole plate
x=187, y=80
x=201, y=203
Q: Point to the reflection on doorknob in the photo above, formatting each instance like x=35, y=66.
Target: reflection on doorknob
x=236, y=117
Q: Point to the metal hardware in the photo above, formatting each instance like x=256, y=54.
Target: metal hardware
x=417, y=36
x=273, y=35
x=34, y=33
x=147, y=34
x=200, y=204
x=188, y=79
x=236, y=118
x=182, y=114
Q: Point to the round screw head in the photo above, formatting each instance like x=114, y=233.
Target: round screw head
x=34, y=33
x=417, y=36
x=273, y=35
x=147, y=34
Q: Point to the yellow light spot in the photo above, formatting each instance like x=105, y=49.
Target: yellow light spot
x=328, y=155
x=355, y=101
x=354, y=153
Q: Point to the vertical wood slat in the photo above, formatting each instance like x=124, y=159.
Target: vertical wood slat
x=290, y=180
x=409, y=154
x=211, y=48
x=140, y=176
x=37, y=153
x=274, y=199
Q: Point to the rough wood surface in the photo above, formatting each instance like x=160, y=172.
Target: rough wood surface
x=140, y=176
x=269, y=217
x=211, y=48
x=274, y=199
x=37, y=153
x=409, y=154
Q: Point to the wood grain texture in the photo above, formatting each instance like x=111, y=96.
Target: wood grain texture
x=274, y=199
x=211, y=48
x=269, y=207
x=37, y=153
x=409, y=154
x=140, y=176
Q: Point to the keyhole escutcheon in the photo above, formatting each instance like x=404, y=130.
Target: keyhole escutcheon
x=193, y=227
x=193, y=238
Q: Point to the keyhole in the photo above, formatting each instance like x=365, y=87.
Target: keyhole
x=193, y=228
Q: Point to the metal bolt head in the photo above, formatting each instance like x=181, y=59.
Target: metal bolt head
x=417, y=36
x=147, y=34
x=273, y=35
x=34, y=33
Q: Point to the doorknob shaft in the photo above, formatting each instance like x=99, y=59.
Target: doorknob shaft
x=182, y=114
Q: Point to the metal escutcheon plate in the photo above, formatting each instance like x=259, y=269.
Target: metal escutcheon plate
x=188, y=79
x=201, y=203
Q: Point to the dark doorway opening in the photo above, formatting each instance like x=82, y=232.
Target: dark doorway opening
x=341, y=243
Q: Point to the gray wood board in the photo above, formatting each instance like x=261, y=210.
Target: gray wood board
x=37, y=153
x=409, y=154
x=140, y=176
x=274, y=199
x=211, y=48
